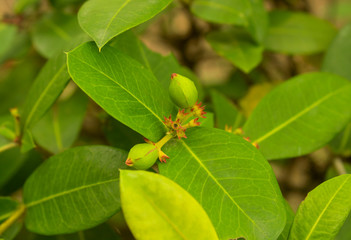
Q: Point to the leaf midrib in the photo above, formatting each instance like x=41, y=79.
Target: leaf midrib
x=296, y=116
x=121, y=86
x=220, y=186
x=43, y=93
x=53, y=196
x=325, y=208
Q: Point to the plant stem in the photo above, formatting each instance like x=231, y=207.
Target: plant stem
x=18, y=213
x=8, y=146
x=163, y=141
x=339, y=166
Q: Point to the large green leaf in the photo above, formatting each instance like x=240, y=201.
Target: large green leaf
x=157, y=208
x=105, y=19
x=230, y=179
x=7, y=207
x=60, y=126
x=297, y=33
x=338, y=57
x=161, y=66
x=56, y=33
x=227, y=113
x=322, y=213
x=74, y=190
x=300, y=115
x=7, y=36
x=122, y=87
x=48, y=85
x=290, y=215
x=237, y=47
x=250, y=14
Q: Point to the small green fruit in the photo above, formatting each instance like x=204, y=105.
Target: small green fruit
x=182, y=91
x=142, y=156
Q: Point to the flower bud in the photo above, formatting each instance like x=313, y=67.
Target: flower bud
x=182, y=91
x=142, y=156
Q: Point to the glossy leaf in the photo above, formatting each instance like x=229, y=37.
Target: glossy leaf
x=338, y=56
x=161, y=66
x=60, y=126
x=322, y=213
x=7, y=36
x=298, y=33
x=250, y=14
x=227, y=113
x=80, y=190
x=237, y=47
x=7, y=207
x=105, y=19
x=55, y=33
x=230, y=179
x=48, y=85
x=157, y=208
x=122, y=87
x=300, y=115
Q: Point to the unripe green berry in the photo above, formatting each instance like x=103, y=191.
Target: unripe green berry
x=142, y=156
x=182, y=91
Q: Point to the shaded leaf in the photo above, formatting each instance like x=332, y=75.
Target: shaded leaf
x=57, y=32
x=105, y=19
x=300, y=115
x=341, y=143
x=157, y=208
x=7, y=36
x=237, y=47
x=7, y=207
x=290, y=215
x=22, y=5
x=7, y=126
x=48, y=85
x=226, y=112
x=60, y=126
x=122, y=87
x=297, y=33
x=322, y=213
x=80, y=190
x=230, y=179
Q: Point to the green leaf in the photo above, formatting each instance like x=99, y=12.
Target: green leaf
x=57, y=32
x=338, y=56
x=12, y=231
x=297, y=33
x=161, y=66
x=341, y=143
x=7, y=127
x=237, y=47
x=250, y=14
x=7, y=36
x=14, y=85
x=345, y=233
x=122, y=87
x=80, y=190
x=230, y=179
x=105, y=19
x=300, y=115
x=48, y=85
x=322, y=213
x=7, y=207
x=290, y=215
x=157, y=208
x=59, y=127
x=226, y=112
x=121, y=136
